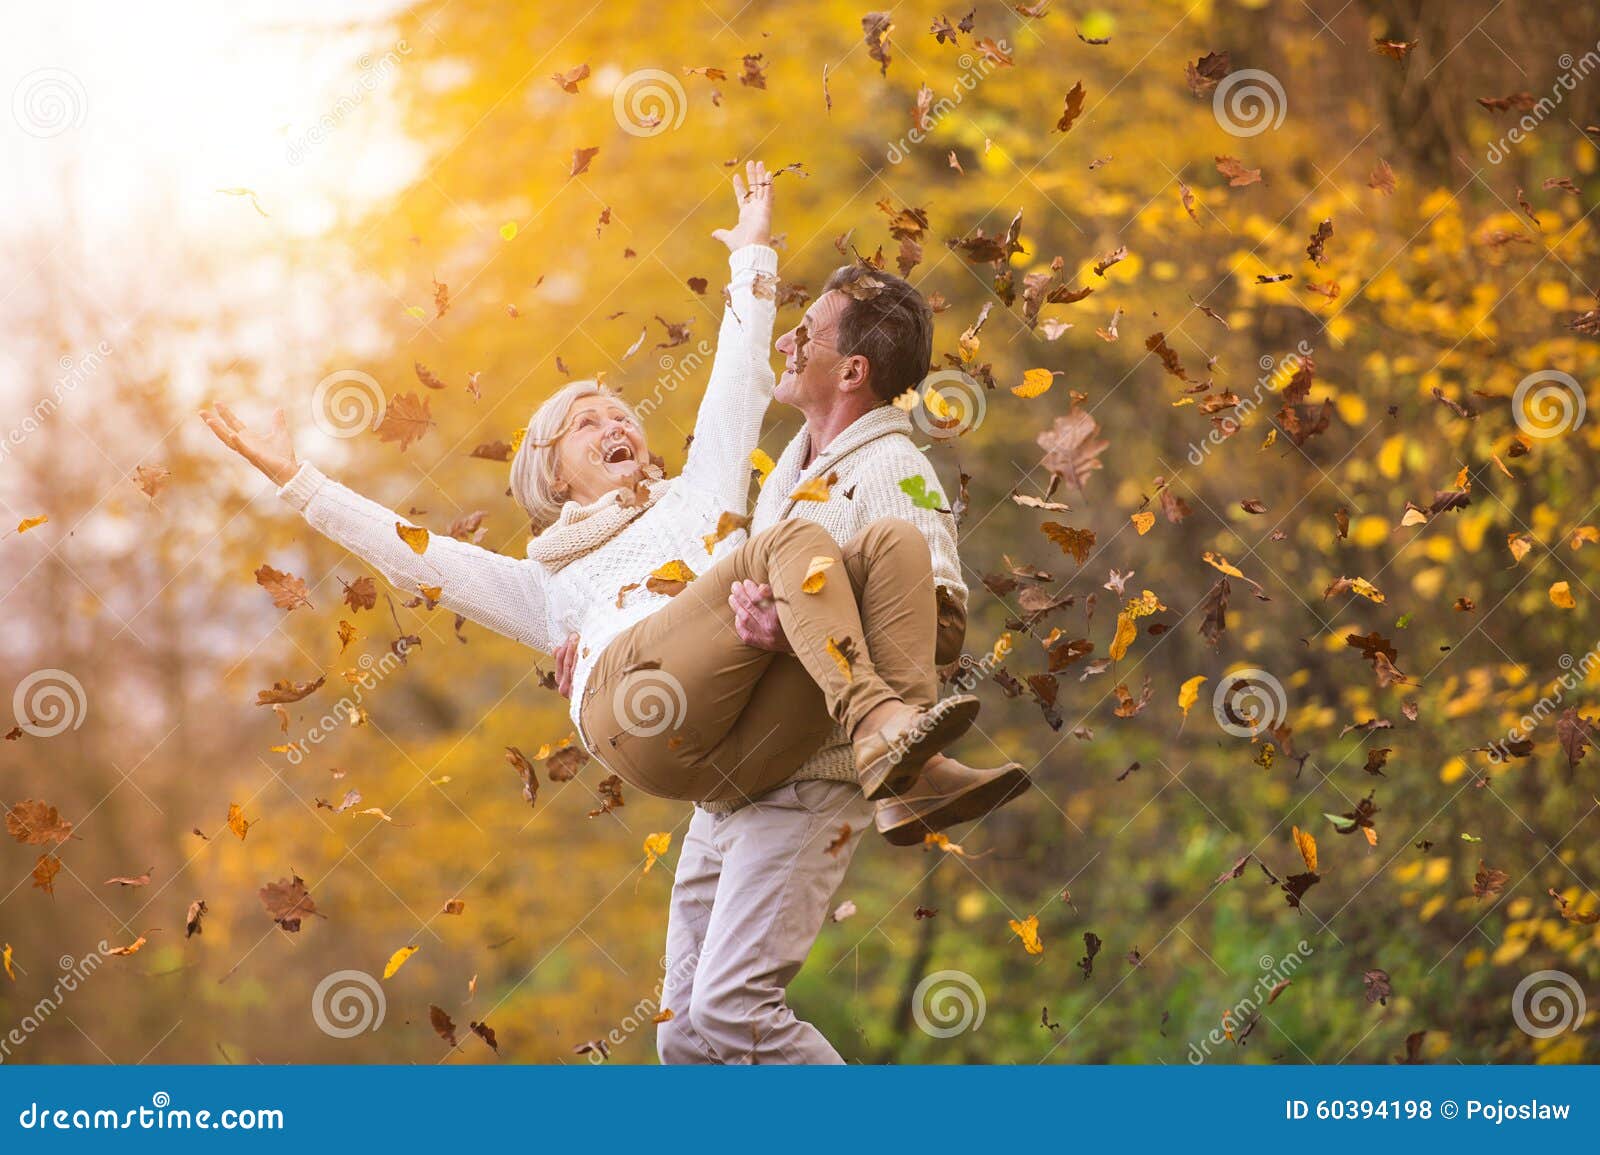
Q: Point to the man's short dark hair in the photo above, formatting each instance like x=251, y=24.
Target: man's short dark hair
x=891, y=327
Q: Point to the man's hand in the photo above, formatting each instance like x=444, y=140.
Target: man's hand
x=566, y=657
x=755, y=617
x=755, y=209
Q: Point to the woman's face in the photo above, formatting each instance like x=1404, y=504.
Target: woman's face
x=602, y=449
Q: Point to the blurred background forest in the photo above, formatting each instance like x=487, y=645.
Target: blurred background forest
x=209, y=203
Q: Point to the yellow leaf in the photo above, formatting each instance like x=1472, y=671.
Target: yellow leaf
x=516, y=438
x=1034, y=382
x=1584, y=533
x=376, y=813
x=1520, y=544
x=656, y=845
x=727, y=523
x=841, y=659
x=762, y=464
x=28, y=523
x=432, y=593
x=7, y=958
x=1308, y=847
x=1189, y=693
x=669, y=579
x=131, y=948
x=1028, y=931
x=1002, y=647
x=414, y=536
x=1143, y=522
x=816, y=574
x=509, y=230
x=1271, y=438
x=1126, y=632
x=347, y=634
x=417, y=311
x=817, y=489
x=398, y=960
x=1561, y=595
x=1217, y=561
x=938, y=406
x=237, y=821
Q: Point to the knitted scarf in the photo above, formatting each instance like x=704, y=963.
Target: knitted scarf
x=581, y=529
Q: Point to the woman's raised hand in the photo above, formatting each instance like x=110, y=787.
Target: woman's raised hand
x=272, y=451
x=753, y=193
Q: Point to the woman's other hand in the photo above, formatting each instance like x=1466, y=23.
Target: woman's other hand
x=753, y=193
x=271, y=451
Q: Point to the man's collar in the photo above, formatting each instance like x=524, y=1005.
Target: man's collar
x=874, y=423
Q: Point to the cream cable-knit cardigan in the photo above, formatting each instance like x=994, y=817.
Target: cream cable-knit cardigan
x=872, y=456
x=522, y=598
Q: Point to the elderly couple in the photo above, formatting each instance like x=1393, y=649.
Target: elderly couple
x=800, y=665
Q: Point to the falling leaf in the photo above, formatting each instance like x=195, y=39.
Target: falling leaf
x=414, y=536
x=398, y=960
x=45, y=871
x=287, y=902
x=34, y=823
x=1189, y=693
x=1561, y=596
x=406, y=419
x=815, y=489
x=1035, y=382
x=1143, y=521
x=816, y=574
x=670, y=578
x=1028, y=931
x=841, y=653
x=655, y=846
x=287, y=591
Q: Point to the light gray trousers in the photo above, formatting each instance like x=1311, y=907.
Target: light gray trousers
x=751, y=893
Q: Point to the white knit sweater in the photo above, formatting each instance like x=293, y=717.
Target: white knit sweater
x=872, y=456
x=521, y=598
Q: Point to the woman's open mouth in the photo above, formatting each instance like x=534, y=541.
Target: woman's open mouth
x=619, y=454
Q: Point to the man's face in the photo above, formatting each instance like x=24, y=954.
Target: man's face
x=814, y=371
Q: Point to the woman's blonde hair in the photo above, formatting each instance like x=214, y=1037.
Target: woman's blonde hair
x=534, y=484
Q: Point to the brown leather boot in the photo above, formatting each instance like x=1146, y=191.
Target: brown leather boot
x=945, y=794
x=890, y=758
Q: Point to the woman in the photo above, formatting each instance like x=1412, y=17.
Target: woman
x=664, y=692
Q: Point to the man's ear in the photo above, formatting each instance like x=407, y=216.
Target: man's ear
x=855, y=373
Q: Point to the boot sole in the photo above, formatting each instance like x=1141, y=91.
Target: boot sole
x=899, y=769
x=910, y=826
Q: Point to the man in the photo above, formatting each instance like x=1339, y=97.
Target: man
x=756, y=878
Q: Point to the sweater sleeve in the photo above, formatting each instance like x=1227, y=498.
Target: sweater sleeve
x=938, y=526
x=507, y=595
x=728, y=426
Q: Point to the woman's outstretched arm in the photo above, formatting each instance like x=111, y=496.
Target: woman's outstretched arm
x=504, y=594
x=728, y=425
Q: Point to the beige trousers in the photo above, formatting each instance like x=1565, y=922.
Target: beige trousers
x=752, y=890
x=680, y=707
